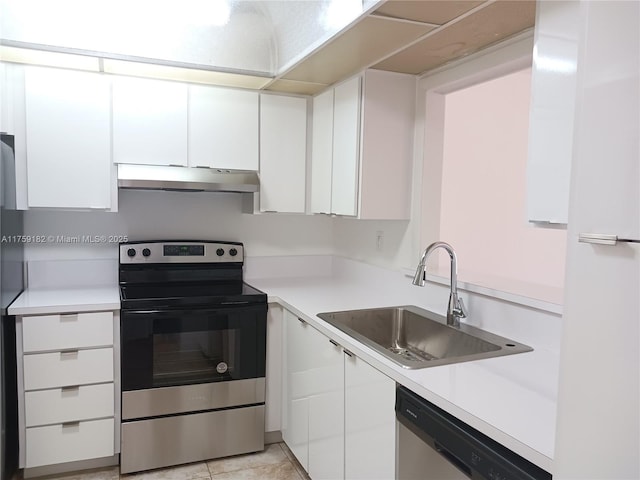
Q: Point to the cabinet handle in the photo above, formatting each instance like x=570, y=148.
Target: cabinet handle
x=348, y=353
x=68, y=354
x=70, y=424
x=603, y=239
x=334, y=343
x=67, y=317
x=302, y=321
x=70, y=388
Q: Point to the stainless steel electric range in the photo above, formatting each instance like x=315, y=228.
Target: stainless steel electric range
x=193, y=352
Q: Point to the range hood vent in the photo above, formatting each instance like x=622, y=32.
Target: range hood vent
x=152, y=177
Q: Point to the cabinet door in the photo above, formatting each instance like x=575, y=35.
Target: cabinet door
x=326, y=408
x=553, y=98
x=68, y=139
x=322, y=152
x=67, y=331
x=68, y=368
x=295, y=388
x=54, y=444
x=370, y=422
x=283, y=153
x=149, y=122
x=386, y=152
x=223, y=128
x=346, y=142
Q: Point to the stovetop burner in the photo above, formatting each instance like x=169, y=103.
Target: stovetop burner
x=178, y=295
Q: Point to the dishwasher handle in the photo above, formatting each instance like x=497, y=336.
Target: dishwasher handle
x=451, y=458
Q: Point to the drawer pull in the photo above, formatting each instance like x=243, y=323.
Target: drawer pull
x=347, y=352
x=69, y=317
x=334, y=343
x=71, y=425
x=70, y=389
x=68, y=354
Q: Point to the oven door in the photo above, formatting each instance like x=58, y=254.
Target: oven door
x=164, y=348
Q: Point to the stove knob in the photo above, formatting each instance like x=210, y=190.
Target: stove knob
x=220, y=252
x=146, y=252
x=233, y=252
x=131, y=252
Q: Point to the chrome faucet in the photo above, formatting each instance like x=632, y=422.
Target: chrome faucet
x=455, y=309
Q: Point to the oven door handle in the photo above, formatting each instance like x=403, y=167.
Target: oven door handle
x=145, y=312
x=160, y=311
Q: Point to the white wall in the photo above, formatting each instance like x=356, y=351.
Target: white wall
x=358, y=239
x=178, y=215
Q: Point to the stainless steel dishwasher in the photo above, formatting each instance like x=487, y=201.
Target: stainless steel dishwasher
x=434, y=445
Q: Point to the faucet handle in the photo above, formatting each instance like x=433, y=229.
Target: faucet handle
x=460, y=310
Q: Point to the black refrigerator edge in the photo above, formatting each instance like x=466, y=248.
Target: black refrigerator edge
x=11, y=285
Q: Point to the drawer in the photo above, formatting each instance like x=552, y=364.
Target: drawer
x=60, y=405
x=70, y=442
x=58, y=332
x=60, y=369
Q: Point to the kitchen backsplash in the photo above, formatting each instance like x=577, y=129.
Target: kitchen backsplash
x=173, y=215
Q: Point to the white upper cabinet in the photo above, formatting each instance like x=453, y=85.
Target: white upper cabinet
x=68, y=141
x=322, y=152
x=346, y=128
x=553, y=94
x=149, y=121
x=283, y=153
x=223, y=128
x=367, y=152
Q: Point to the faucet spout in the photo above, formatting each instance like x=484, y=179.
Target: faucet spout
x=455, y=308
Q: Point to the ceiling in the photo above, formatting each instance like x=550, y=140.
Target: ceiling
x=408, y=36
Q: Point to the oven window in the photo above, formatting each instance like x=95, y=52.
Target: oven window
x=194, y=357
x=182, y=347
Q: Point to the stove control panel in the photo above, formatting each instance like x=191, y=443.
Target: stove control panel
x=181, y=252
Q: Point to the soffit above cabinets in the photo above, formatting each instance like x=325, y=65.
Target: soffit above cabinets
x=437, y=12
x=362, y=45
x=462, y=36
x=407, y=36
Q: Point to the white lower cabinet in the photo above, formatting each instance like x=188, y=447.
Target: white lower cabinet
x=69, y=442
x=74, y=367
x=68, y=404
x=331, y=401
x=370, y=422
x=68, y=388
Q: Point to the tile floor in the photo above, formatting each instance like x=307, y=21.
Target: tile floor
x=276, y=462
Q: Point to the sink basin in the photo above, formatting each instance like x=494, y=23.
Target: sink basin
x=416, y=338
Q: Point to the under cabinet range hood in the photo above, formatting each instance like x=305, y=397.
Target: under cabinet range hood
x=186, y=179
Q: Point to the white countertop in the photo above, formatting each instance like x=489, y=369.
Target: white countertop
x=511, y=399
x=53, y=300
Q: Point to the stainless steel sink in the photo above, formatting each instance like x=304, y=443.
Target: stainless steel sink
x=416, y=338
